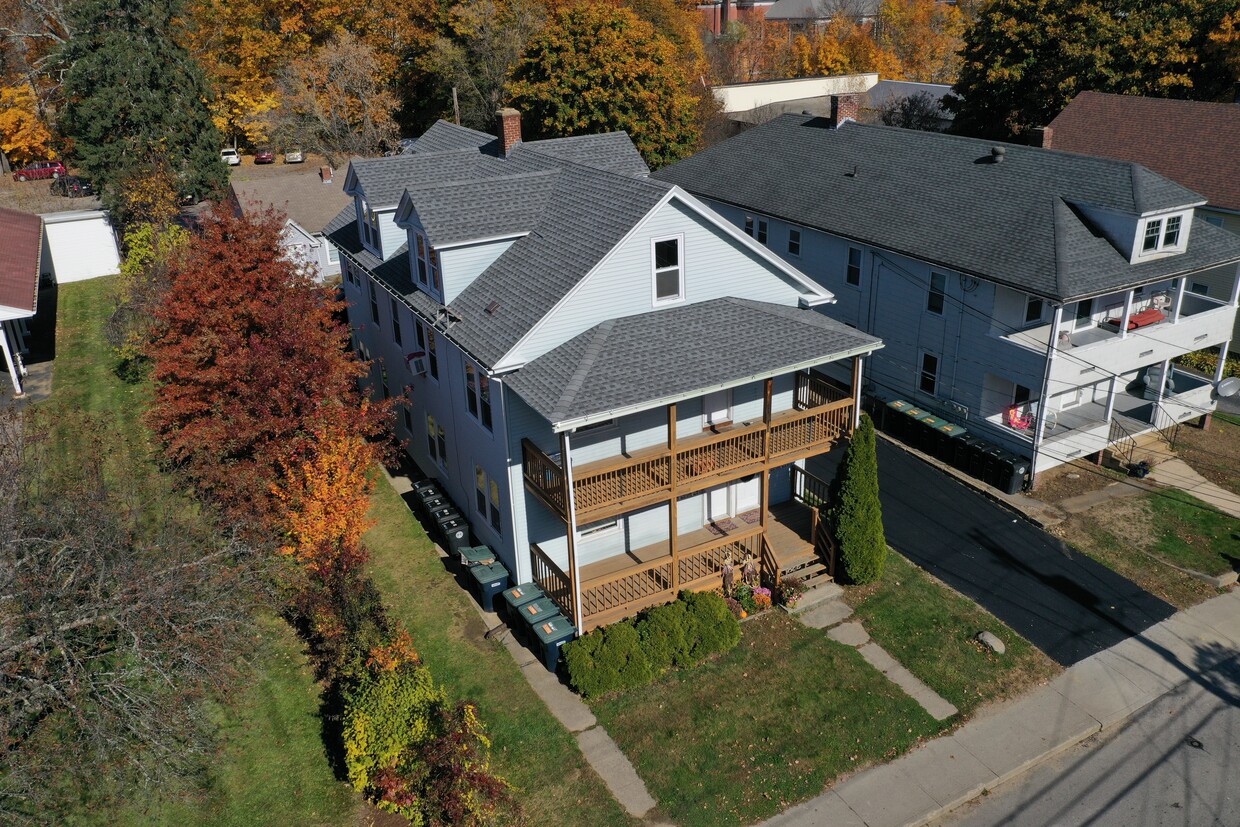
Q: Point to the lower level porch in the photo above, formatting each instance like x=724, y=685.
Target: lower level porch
x=622, y=585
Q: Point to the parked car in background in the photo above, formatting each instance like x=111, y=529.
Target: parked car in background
x=231, y=157
x=294, y=156
x=39, y=169
x=72, y=186
x=264, y=156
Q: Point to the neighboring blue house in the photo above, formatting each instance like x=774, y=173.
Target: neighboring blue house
x=618, y=386
x=1035, y=296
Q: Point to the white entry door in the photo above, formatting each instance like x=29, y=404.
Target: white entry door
x=719, y=503
x=716, y=408
x=748, y=495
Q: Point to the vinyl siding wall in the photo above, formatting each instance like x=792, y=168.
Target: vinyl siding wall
x=461, y=265
x=715, y=266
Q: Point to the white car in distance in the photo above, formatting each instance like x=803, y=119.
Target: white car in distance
x=231, y=157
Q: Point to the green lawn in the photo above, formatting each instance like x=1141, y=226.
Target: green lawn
x=930, y=629
x=531, y=749
x=762, y=727
x=1194, y=535
x=271, y=758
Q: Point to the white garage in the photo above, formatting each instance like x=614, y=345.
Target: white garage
x=79, y=245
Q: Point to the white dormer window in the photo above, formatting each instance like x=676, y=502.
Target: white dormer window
x=1162, y=234
x=669, y=281
x=1171, y=231
x=369, y=221
x=426, y=262
x=1153, y=235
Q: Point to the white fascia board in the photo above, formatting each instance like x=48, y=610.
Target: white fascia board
x=603, y=416
x=471, y=242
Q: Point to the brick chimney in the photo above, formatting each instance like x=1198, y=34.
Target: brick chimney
x=844, y=108
x=509, y=129
x=1041, y=136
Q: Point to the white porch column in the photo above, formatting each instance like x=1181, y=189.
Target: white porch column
x=858, y=364
x=1235, y=288
x=1044, y=398
x=574, y=570
x=10, y=359
x=1179, y=301
x=1158, y=396
x=1222, y=361
x=1123, y=324
x=1110, y=412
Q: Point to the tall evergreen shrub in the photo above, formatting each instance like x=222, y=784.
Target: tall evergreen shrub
x=856, y=514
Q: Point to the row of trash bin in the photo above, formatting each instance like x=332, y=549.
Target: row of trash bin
x=541, y=618
x=952, y=443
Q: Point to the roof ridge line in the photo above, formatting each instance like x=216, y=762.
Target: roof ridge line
x=574, y=384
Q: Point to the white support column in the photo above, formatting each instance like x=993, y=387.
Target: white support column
x=1044, y=397
x=1156, y=414
x=1222, y=361
x=858, y=366
x=1235, y=288
x=1111, y=399
x=10, y=359
x=1179, y=301
x=1123, y=324
x=574, y=569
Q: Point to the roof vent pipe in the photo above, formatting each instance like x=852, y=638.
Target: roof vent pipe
x=997, y=154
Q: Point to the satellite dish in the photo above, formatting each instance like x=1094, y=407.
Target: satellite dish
x=1229, y=386
x=968, y=284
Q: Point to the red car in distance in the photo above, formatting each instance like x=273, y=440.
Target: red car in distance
x=264, y=156
x=40, y=169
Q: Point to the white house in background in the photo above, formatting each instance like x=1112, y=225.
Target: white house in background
x=21, y=238
x=617, y=387
x=1035, y=296
x=310, y=200
x=80, y=245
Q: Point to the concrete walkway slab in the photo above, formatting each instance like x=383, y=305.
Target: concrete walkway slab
x=938, y=707
x=873, y=796
x=947, y=771
x=1176, y=473
x=827, y=810
x=1026, y=732
x=1103, y=692
x=849, y=634
x=826, y=615
x=616, y=771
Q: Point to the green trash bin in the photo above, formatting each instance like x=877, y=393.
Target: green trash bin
x=553, y=632
x=520, y=595
x=490, y=581
x=538, y=610
x=949, y=434
x=476, y=556
x=925, y=437
x=897, y=425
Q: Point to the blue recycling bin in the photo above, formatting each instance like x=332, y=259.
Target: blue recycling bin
x=552, y=633
x=490, y=581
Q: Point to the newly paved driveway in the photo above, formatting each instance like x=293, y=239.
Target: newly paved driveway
x=1066, y=604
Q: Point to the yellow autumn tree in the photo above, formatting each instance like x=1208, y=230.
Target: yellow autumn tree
x=24, y=136
x=925, y=36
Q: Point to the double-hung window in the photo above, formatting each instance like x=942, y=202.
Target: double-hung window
x=396, y=333
x=934, y=299
x=853, y=274
x=1153, y=232
x=928, y=380
x=1033, y=309
x=669, y=281
x=436, y=441
x=794, y=241
x=486, y=493
x=374, y=303
x=427, y=264
x=420, y=241
x=756, y=227
x=432, y=357
x=1171, y=232
x=478, y=394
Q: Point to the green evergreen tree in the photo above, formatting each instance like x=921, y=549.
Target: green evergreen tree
x=134, y=98
x=856, y=515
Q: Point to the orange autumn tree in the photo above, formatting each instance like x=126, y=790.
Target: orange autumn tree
x=24, y=135
x=325, y=492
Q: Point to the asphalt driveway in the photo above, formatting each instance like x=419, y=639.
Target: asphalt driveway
x=1062, y=601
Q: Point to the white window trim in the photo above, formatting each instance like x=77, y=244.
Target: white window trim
x=860, y=266
x=605, y=528
x=921, y=371
x=941, y=293
x=1160, y=245
x=475, y=394
x=800, y=238
x=679, y=238
x=493, y=509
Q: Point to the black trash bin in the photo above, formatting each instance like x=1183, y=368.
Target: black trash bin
x=426, y=491
x=948, y=437
x=966, y=448
x=489, y=581
x=894, y=422
x=992, y=472
x=455, y=534
x=1015, y=470
x=977, y=459
x=927, y=438
x=552, y=634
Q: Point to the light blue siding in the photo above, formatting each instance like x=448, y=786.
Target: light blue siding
x=390, y=236
x=715, y=265
x=461, y=265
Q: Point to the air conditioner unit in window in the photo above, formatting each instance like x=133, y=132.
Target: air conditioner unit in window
x=416, y=362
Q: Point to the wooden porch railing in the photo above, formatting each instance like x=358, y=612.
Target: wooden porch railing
x=793, y=432
x=544, y=476
x=813, y=391
x=769, y=571
x=552, y=580
x=617, y=596
x=720, y=454
x=701, y=567
x=622, y=480
x=815, y=493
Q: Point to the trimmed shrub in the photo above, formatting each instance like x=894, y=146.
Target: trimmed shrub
x=857, y=517
x=711, y=626
x=607, y=660
x=662, y=632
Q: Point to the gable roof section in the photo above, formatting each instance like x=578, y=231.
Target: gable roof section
x=383, y=180
x=303, y=196
x=1192, y=142
x=939, y=198
x=609, y=151
x=444, y=136
x=612, y=369
x=461, y=211
x=21, y=238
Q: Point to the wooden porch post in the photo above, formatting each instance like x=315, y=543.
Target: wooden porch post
x=765, y=504
x=574, y=576
x=672, y=539
x=856, y=392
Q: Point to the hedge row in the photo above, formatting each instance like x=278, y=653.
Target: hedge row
x=635, y=652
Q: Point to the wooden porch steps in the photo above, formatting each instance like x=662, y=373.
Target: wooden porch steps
x=809, y=569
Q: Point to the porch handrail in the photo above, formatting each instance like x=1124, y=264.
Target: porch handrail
x=552, y=580
x=703, y=561
x=1122, y=442
x=544, y=475
x=769, y=567
x=812, y=392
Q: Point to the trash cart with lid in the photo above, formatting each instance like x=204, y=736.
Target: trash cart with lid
x=519, y=595
x=477, y=556
x=426, y=491
x=490, y=581
x=897, y=424
x=538, y=610
x=455, y=533
x=948, y=435
x=552, y=633
x=1013, y=469
x=926, y=437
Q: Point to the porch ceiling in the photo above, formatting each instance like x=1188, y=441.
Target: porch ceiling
x=639, y=362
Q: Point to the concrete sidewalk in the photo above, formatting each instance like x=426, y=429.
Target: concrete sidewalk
x=1176, y=473
x=1003, y=742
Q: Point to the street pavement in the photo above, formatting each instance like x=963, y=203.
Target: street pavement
x=1061, y=600
x=1175, y=764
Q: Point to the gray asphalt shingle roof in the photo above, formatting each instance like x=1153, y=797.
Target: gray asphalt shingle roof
x=384, y=180
x=609, y=151
x=938, y=198
x=613, y=366
x=482, y=208
x=443, y=136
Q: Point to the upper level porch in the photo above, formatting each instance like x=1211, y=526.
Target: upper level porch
x=818, y=415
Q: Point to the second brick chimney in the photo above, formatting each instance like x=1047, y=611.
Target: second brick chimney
x=509, y=129
x=844, y=108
